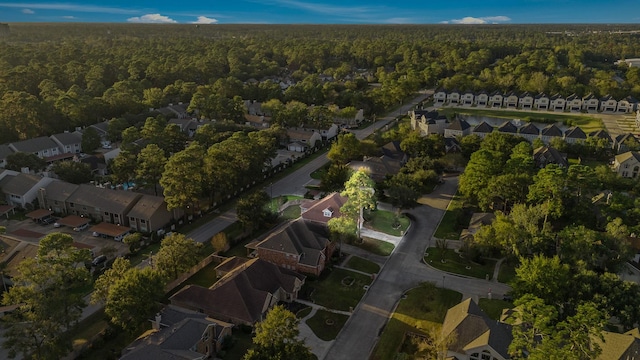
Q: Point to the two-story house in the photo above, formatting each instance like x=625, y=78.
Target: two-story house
x=510, y=100
x=482, y=99
x=590, y=103
x=608, y=104
x=150, y=214
x=526, y=101
x=467, y=98
x=440, y=97
x=541, y=102
x=42, y=146
x=557, y=103
x=458, y=127
x=627, y=164
x=21, y=190
x=111, y=206
x=68, y=142
x=495, y=99
x=573, y=103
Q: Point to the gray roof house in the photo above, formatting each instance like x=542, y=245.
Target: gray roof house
x=68, y=142
x=54, y=196
x=458, y=127
x=546, y=155
x=22, y=189
x=149, y=214
x=508, y=127
x=101, y=204
x=483, y=129
x=574, y=134
x=5, y=151
x=529, y=132
x=549, y=132
x=42, y=146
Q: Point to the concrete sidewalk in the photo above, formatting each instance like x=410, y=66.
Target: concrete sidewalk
x=318, y=346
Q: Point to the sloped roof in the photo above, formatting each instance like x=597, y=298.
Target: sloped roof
x=392, y=149
x=242, y=293
x=590, y=96
x=551, y=130
x=474, y=328
x=34, y=145
x=607, y=98
x=315, y=208
x=620, y=158
x=60, y=190
x=5, y=151
x=601, y=134
x=296, y=238
x=459, y=125
x=113, y=201
x=230, y=264
x=556, y=97
x=618, y=346
x=483, y=127
x=541, y=95
x=626, y=137
x=525, y=94
x=68, y=138
x=575, y=133
x=548, y=155
x=529, y=129
x=20, y=184
x=299, y=134
x=146, y=206
x=378, y=167
x=508, y=127
x=573, y=97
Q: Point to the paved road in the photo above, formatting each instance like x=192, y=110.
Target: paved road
x=404, y=270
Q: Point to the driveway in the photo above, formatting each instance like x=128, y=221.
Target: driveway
x=404, y=270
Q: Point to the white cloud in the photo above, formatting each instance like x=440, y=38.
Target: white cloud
x=28, y=11
x=205, y=20
x=68, y=17
x=69, y=7
x=152, y=19
x=479, y=20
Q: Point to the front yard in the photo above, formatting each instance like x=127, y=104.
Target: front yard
x=326, y=325
x=375, y=246
x=454, y=220
x=422, y=309
x=387, y=222
x=450, y=261
x=364, y=265
x=339, y=290
x=493, y=308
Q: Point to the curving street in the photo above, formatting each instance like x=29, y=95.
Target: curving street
x=404, y=270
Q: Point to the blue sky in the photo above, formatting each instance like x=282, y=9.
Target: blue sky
x=324, y=11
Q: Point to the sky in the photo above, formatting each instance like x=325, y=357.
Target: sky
x=323, y=11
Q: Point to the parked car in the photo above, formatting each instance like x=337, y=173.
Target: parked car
x=99, y=260
x=48, y=221
x=81, y=227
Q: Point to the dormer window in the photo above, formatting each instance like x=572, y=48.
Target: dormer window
x=328, y=212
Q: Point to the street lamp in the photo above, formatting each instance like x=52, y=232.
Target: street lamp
x=443, y=281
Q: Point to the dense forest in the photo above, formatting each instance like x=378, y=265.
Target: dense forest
x=54, y=77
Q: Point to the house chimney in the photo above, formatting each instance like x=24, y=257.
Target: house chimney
x=156, y=323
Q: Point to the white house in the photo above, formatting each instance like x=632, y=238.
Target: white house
x=22, y=189
x=440, y=97
x=590, y=103
x=42, y=146
x=608, y=104
x=495, y=99
x=482, y=99
x=510, y=100
x=467, y=98
x=453, y=97
x=627, y=164
x=573, y=103
x=68, y=142
x=541, y=102
x=627, y=105
x=526, y=101
x=557, y=103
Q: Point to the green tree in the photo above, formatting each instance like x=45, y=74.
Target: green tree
x=73, y=172
x=46, y=290
x=115, y=127
x=132, y=298
x=252, y=210
x=18, y=160
x=360, y=193
x=90, y=140
x=150, y=166
x=177, y=254
x=335, y=177
x=123, y=166
x=112, y=275
x=173, y=139
x=276, y=338
x=183, y=177
x=544, y=277
x=134, y=241
x=346, y=148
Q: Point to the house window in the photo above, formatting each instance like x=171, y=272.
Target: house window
x=106, y=213
x=142, y=221
x=71, y=205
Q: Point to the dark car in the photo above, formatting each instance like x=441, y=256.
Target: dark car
x=99, y=260
x=47, y=221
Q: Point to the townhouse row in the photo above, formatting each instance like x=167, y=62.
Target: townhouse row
x=431, y=122
x=528, y=101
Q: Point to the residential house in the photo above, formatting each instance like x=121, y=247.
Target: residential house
x=178, y=333
x=458, y=127
x=428, y=122
x=229, y=265
x=452, y=145
x=328, y=133
x=602, y=134
x=482, y=129
x=482, y=99
x=549, y=132
x=476, y=336
x=319, y=212
x=616, y=346
x=378, y=168
x=608, y=104
x=102, y=128
x=244, y=295
x=307, y=137
x=546, y=155
x=349, y=122
x=111, y=206
x=508, y=127
x=627, y=164
x=5, y=151
x=541, y=102
x=526, y=101
x=590, y=103
x=22, y=189
x=557, y=103
x=392, y=150
x=440, y=97
x=627, y=105
x=453, y=97
x=495, y=99
x=54, y=196
x=42, y=146
x=574, y=134
x=253, y=107
x=510, y=100
x=573, y=103
x=529, y=132
x=626, y=142
x=477, y=221
x=150, y=214
x=467, y=98
x=186, y=126
x=259, y=121
x=178, y=110
x=295, y=247
x=68, y=142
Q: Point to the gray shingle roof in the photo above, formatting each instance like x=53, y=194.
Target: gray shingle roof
x=34, y=145
x=483, y=127
x=20, y=184
x=459, y=125
x=508, y=127
x=296, y=238
x=68, y=138
x=113, y=201
x=530, y=129
x=146, y=206
x=551, y=130
x=601, y=134
x=60, y=190
x=575, y=133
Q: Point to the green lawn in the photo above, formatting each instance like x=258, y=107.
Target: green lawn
x=326, y=325
x=586, y=122
x=454, y=219
x=387, y=222
x=291, y=212
x=364, y=265
x=143, y=255
x=376, y=246
x=319, y=172
x=493, y=308
x=333, y=294
x=238, y=249
x=303, y=312
x=457, y=265
x=205, y=277
x=507, y=271
x=423, y=308
x=242, y=342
